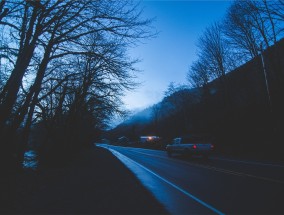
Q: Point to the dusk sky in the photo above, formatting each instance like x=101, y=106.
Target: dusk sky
x=167, y=57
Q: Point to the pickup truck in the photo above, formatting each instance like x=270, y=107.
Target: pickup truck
x=190, y=146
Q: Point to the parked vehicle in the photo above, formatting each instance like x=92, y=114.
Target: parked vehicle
x=149, y=139
x=190, y=145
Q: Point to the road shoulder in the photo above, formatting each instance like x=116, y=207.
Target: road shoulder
x=96, y=183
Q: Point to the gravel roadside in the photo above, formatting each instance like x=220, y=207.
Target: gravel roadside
x=95, y=183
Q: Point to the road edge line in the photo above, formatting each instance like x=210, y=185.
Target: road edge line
x=118, y=154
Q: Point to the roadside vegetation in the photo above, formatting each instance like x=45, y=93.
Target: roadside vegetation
x=63, y=70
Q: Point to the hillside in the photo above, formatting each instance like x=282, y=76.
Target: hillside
x=236, y=112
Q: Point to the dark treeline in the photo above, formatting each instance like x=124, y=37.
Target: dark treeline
x=63, y=69
x=247, y=125
x=235, y=92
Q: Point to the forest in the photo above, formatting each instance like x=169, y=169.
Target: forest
x=64, y=68
x=235, y=88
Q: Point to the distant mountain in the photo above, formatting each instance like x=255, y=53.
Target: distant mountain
x=140, y=117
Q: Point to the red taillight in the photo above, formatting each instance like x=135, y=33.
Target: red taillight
x=212, y=146
x=194, y=146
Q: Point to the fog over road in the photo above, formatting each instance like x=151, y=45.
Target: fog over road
x=219, y=185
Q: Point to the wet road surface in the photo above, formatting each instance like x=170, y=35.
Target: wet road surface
x=219, y=185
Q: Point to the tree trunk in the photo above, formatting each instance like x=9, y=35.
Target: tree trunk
x=37, y=88
x=10, y=91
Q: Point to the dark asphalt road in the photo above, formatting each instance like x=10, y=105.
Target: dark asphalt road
x=219, y=185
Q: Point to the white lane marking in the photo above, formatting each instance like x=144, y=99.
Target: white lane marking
x=119, y=155
x=216, y=158
x=240, y=174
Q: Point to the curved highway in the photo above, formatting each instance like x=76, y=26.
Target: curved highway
x=220, y=185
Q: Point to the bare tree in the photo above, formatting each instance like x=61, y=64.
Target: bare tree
x=59, y=27
x=45, y=32
x=216, y=59
x=199, y=74
x=174, y=87
x=3, y=11
x=253, y=25
x=214, y=51
x=276, y=10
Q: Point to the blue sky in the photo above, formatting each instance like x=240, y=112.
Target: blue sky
x=167, y=57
